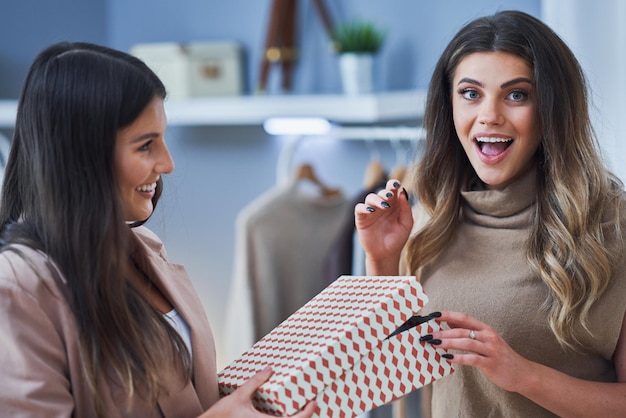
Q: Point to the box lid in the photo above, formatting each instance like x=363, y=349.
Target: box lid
x=324, y=338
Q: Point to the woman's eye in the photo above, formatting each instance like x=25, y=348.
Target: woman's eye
x=145, y=147
x=469, y=94
x=518, y=96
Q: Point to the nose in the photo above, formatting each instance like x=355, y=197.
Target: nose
x=490, y=113
x=165, y=164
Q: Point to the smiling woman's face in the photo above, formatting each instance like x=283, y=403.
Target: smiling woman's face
x=495, y=115
x=141, y=156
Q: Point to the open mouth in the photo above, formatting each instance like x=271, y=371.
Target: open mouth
x=493, y=146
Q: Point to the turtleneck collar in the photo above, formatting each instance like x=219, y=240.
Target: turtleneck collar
x=511, y=207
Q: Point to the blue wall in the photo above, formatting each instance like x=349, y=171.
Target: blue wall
x=417, y=31
x=27, y=26
x=219, y=170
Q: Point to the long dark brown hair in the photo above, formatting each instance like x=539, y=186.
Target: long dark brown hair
x=60, y=196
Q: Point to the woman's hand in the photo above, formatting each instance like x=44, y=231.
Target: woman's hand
x=239, y=403
x=482, y=347
x=384, y=222
x=562, y=394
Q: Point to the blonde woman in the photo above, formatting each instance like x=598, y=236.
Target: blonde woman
x=519, y=240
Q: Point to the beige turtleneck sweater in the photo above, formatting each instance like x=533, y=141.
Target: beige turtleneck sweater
x=484, y=272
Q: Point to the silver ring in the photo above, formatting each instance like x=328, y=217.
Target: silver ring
x=472, y=334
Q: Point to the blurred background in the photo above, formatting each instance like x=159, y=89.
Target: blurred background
x=222, y=166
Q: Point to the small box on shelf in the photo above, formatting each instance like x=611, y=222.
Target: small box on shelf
x=195, y=69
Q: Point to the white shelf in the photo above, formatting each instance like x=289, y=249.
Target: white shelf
x=254, y=110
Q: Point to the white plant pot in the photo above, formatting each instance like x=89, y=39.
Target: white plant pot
x=356, y=73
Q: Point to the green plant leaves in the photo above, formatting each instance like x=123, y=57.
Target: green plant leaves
x=357, y=37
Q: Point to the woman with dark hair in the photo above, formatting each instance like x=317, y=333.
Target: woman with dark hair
x=94, y=320
x=518, y=237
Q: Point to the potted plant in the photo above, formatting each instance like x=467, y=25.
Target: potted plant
x=357, y=42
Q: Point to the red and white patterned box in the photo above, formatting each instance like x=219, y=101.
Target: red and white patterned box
x=335, y=350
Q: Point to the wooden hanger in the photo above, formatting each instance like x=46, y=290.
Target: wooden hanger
x=399, y=173
x=374, y=174
x=305, y=172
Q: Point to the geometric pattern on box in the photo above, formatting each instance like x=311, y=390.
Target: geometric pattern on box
x=339, y=338
x=400, y=365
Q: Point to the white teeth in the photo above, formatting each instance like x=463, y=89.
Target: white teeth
x=488, y=139
x=147, y=187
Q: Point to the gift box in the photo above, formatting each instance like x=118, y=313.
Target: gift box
x=343, y=349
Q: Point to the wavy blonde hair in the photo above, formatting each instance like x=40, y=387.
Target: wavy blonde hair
x=567, y=245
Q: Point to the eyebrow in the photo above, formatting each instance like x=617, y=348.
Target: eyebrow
x=150, y=135
x=505, y=85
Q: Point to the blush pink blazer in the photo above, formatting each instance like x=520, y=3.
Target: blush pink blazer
x=40, y=363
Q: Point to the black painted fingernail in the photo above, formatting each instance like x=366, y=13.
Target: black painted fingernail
x=406, y=194
x=370, y=209
x=396, y=184
x=389, y=194
x=434, y=342
x=385, y=205
x=426, y=337
x=448, y=356
x=436, y=314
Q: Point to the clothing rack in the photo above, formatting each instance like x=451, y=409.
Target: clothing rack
x=394, y=134
x=364, y=133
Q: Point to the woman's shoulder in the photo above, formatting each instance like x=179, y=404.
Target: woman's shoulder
x=28, y=274
x=614, y=224
x=614, y=232
x=621, y=202
x=23, y=263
